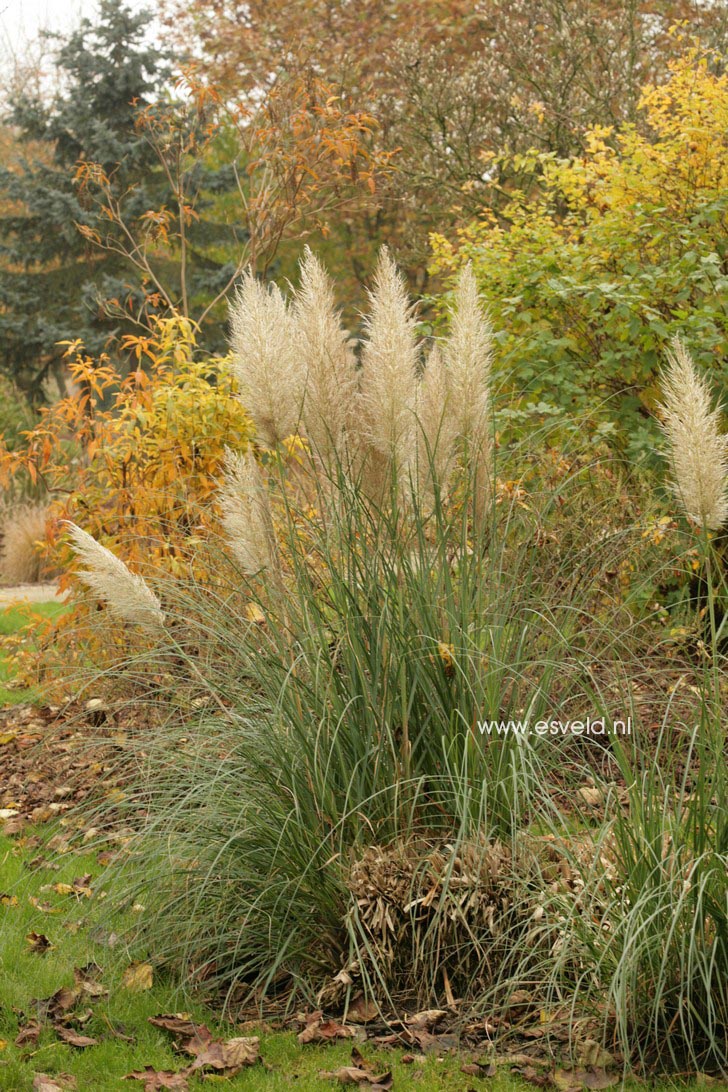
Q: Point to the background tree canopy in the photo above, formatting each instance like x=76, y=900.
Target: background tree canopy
x=53, y=282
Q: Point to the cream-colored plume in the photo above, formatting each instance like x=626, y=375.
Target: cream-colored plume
x=468, y=359
x=126, y=594
x=697, y=449
x=436, y=432
x=389, y=369
x=267, y=365
x=329, y=364
x=246, y=514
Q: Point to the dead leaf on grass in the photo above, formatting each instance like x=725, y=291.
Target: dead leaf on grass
x=156, y=1079
x=55, y=1006
x=137, y=977
x=479, y=1069
x=74, y=1038
x=178, y=1023
x=29, y=1034
x=43, y=1083
x=360, y=1073
x=38, y=942
x=87, y=980
x=43, y=905
x=232, y=1054
x=320, y=1030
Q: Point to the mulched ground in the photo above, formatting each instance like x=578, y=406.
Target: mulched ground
x=47, y=764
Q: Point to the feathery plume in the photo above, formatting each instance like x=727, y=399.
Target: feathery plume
x=246, y=514
x=126, y=594
x=323, y=345
x=436, y=425
x=265, y=360
x=389, y=367
x=697, y=450
x=468, y=358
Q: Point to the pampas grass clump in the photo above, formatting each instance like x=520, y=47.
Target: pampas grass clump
x=339, y=810
x=392, y=417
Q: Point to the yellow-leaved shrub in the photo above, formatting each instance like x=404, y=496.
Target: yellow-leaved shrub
x=135, y=459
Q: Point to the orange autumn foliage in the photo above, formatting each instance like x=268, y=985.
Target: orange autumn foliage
x=135, y=460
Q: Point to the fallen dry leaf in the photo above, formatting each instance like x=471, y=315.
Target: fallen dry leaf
x=361, y=1011
x=28, y=1034
x=137, y=977
x=593, y=1055
x=319, y=1030
x=43, y=1083
x=87, y=980
x=179, y=1023
x=575, y=1080
x=59, y=888
x=478, y=1069
x=74, y=1038
x=155, y=1079
x=233, y=1054
x=597, y=1079
x=38, y=942
x=62, y=1082
x=425, y=1020
x=360, y=1073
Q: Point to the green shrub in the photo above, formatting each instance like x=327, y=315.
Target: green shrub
x=590, y=272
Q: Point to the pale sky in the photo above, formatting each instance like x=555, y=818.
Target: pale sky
x=21, y=20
